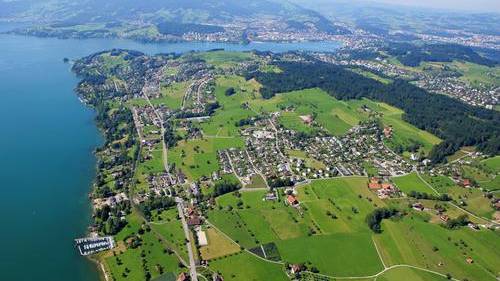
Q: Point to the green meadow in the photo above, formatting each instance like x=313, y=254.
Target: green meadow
x=414, y=242
x=411, y=182
x=222, y=123
x=198, y=157
x=243, y=266
x=127, y=263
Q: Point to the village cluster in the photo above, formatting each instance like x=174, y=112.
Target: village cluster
x=445, y=83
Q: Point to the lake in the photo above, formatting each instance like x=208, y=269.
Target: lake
x=46, y=144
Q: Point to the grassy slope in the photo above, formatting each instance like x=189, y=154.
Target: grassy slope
x=245, y=267
x=203, y=162
x=412, y=241
x=411, y=182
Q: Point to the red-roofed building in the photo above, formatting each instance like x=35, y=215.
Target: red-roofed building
x=466, y=183
x=182, y=277
x=292, y=200
x=374, y=185
x=388, y=132
x=387, y=186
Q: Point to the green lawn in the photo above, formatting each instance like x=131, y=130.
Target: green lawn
x=409, y=274
x=198, y=157
x=151, y=251
x=415, y=242
x=493, y=163
x=411, y=182
x=246, y=267
x=222, y=123
x=172, y=95
x=223, y=59
x=170, y=229
x=339, y=116
x=351, y=254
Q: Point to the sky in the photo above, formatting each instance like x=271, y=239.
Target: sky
x=464, y=5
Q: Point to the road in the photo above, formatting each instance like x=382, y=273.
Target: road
x=192, y=264
x=180, y=202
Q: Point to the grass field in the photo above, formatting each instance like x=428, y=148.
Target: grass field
x=441, y=184
x=493, y=163
x=258, y=222
x=411, y=182
x=222, y=123
x=256, y=182
x=404, y=133
x=218, y=245
x=170, y=229
x=336, y=254
x=172, y=95
x=409, y=274
x=223, y=59
x=415, y=242
x=334, y=115
x=198, y=157
x=339, y=116
x=151, y=253
x=246, y=267
x=310, y=162
x=346, y=198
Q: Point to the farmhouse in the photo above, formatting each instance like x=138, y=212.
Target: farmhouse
x=465, y=183
x=418, y=206
x=292, y=200
x=295, y=268
x=444, y=218
x=182, y=277
x=307, y=119
x=194, y=221
x=388, y=132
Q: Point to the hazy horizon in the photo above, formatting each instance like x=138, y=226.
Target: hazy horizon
x=462, y=5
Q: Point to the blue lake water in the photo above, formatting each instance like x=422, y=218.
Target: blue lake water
x=46, y=141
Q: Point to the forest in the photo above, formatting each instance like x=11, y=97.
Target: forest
x=412, y=55
x=456, y=123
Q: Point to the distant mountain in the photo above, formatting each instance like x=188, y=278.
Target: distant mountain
x=216, y=12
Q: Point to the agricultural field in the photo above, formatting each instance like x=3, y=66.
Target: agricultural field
x=223, y=59
x=404, y=134
x=172, y=95
x=243, y=266
x=337, y=117
x=414, y=242
x=218, y=245
x=409, y=274
x=169, y=228
x=303, y=237
x=222, y=123
x=122, y=262
x=198, y=157
x=493, y=163
x=412, y=182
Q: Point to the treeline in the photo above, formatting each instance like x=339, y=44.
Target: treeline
x=456, y=123
x=412, y=55
x=279, y=182
x=427, y=196
x=170, y=137
x=224, y=187
x=210, y=109
x=178, y=29
x=107, y=220
x=374, y=218
x=155, y=203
